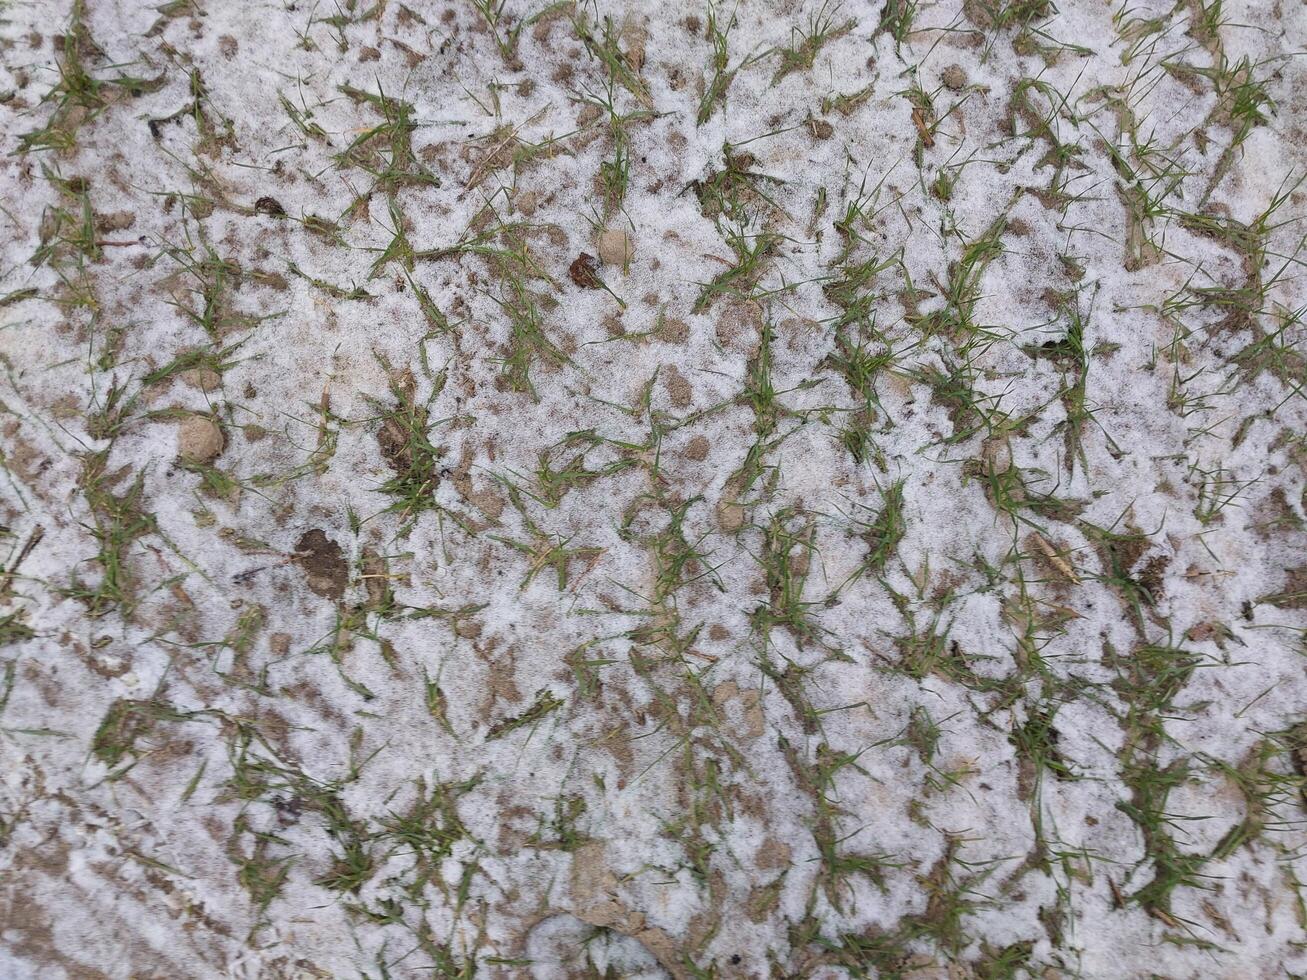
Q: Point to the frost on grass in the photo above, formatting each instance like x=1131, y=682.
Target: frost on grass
x=499, y=489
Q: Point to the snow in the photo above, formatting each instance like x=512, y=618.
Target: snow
x=133, y=865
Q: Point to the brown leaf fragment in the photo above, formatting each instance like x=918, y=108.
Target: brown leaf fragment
x=919, y=120
x=584, y=271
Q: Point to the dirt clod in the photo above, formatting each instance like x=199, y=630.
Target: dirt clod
x=323, y=563
x=270, y=206
x=200, y=439
x=205, y=379
x=954, y=78
x=678, y=388
x=672, y=330
x=730, y=515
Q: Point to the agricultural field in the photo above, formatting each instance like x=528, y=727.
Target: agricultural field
x=775, y=489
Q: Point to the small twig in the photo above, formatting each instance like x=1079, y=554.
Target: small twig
x=1055, y=559
x=33, y=540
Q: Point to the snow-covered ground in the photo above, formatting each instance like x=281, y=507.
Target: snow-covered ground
x=769, y=489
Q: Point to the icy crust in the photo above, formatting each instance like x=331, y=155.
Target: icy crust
x=424, y=559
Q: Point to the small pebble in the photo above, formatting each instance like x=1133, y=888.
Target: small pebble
x=616, y=247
